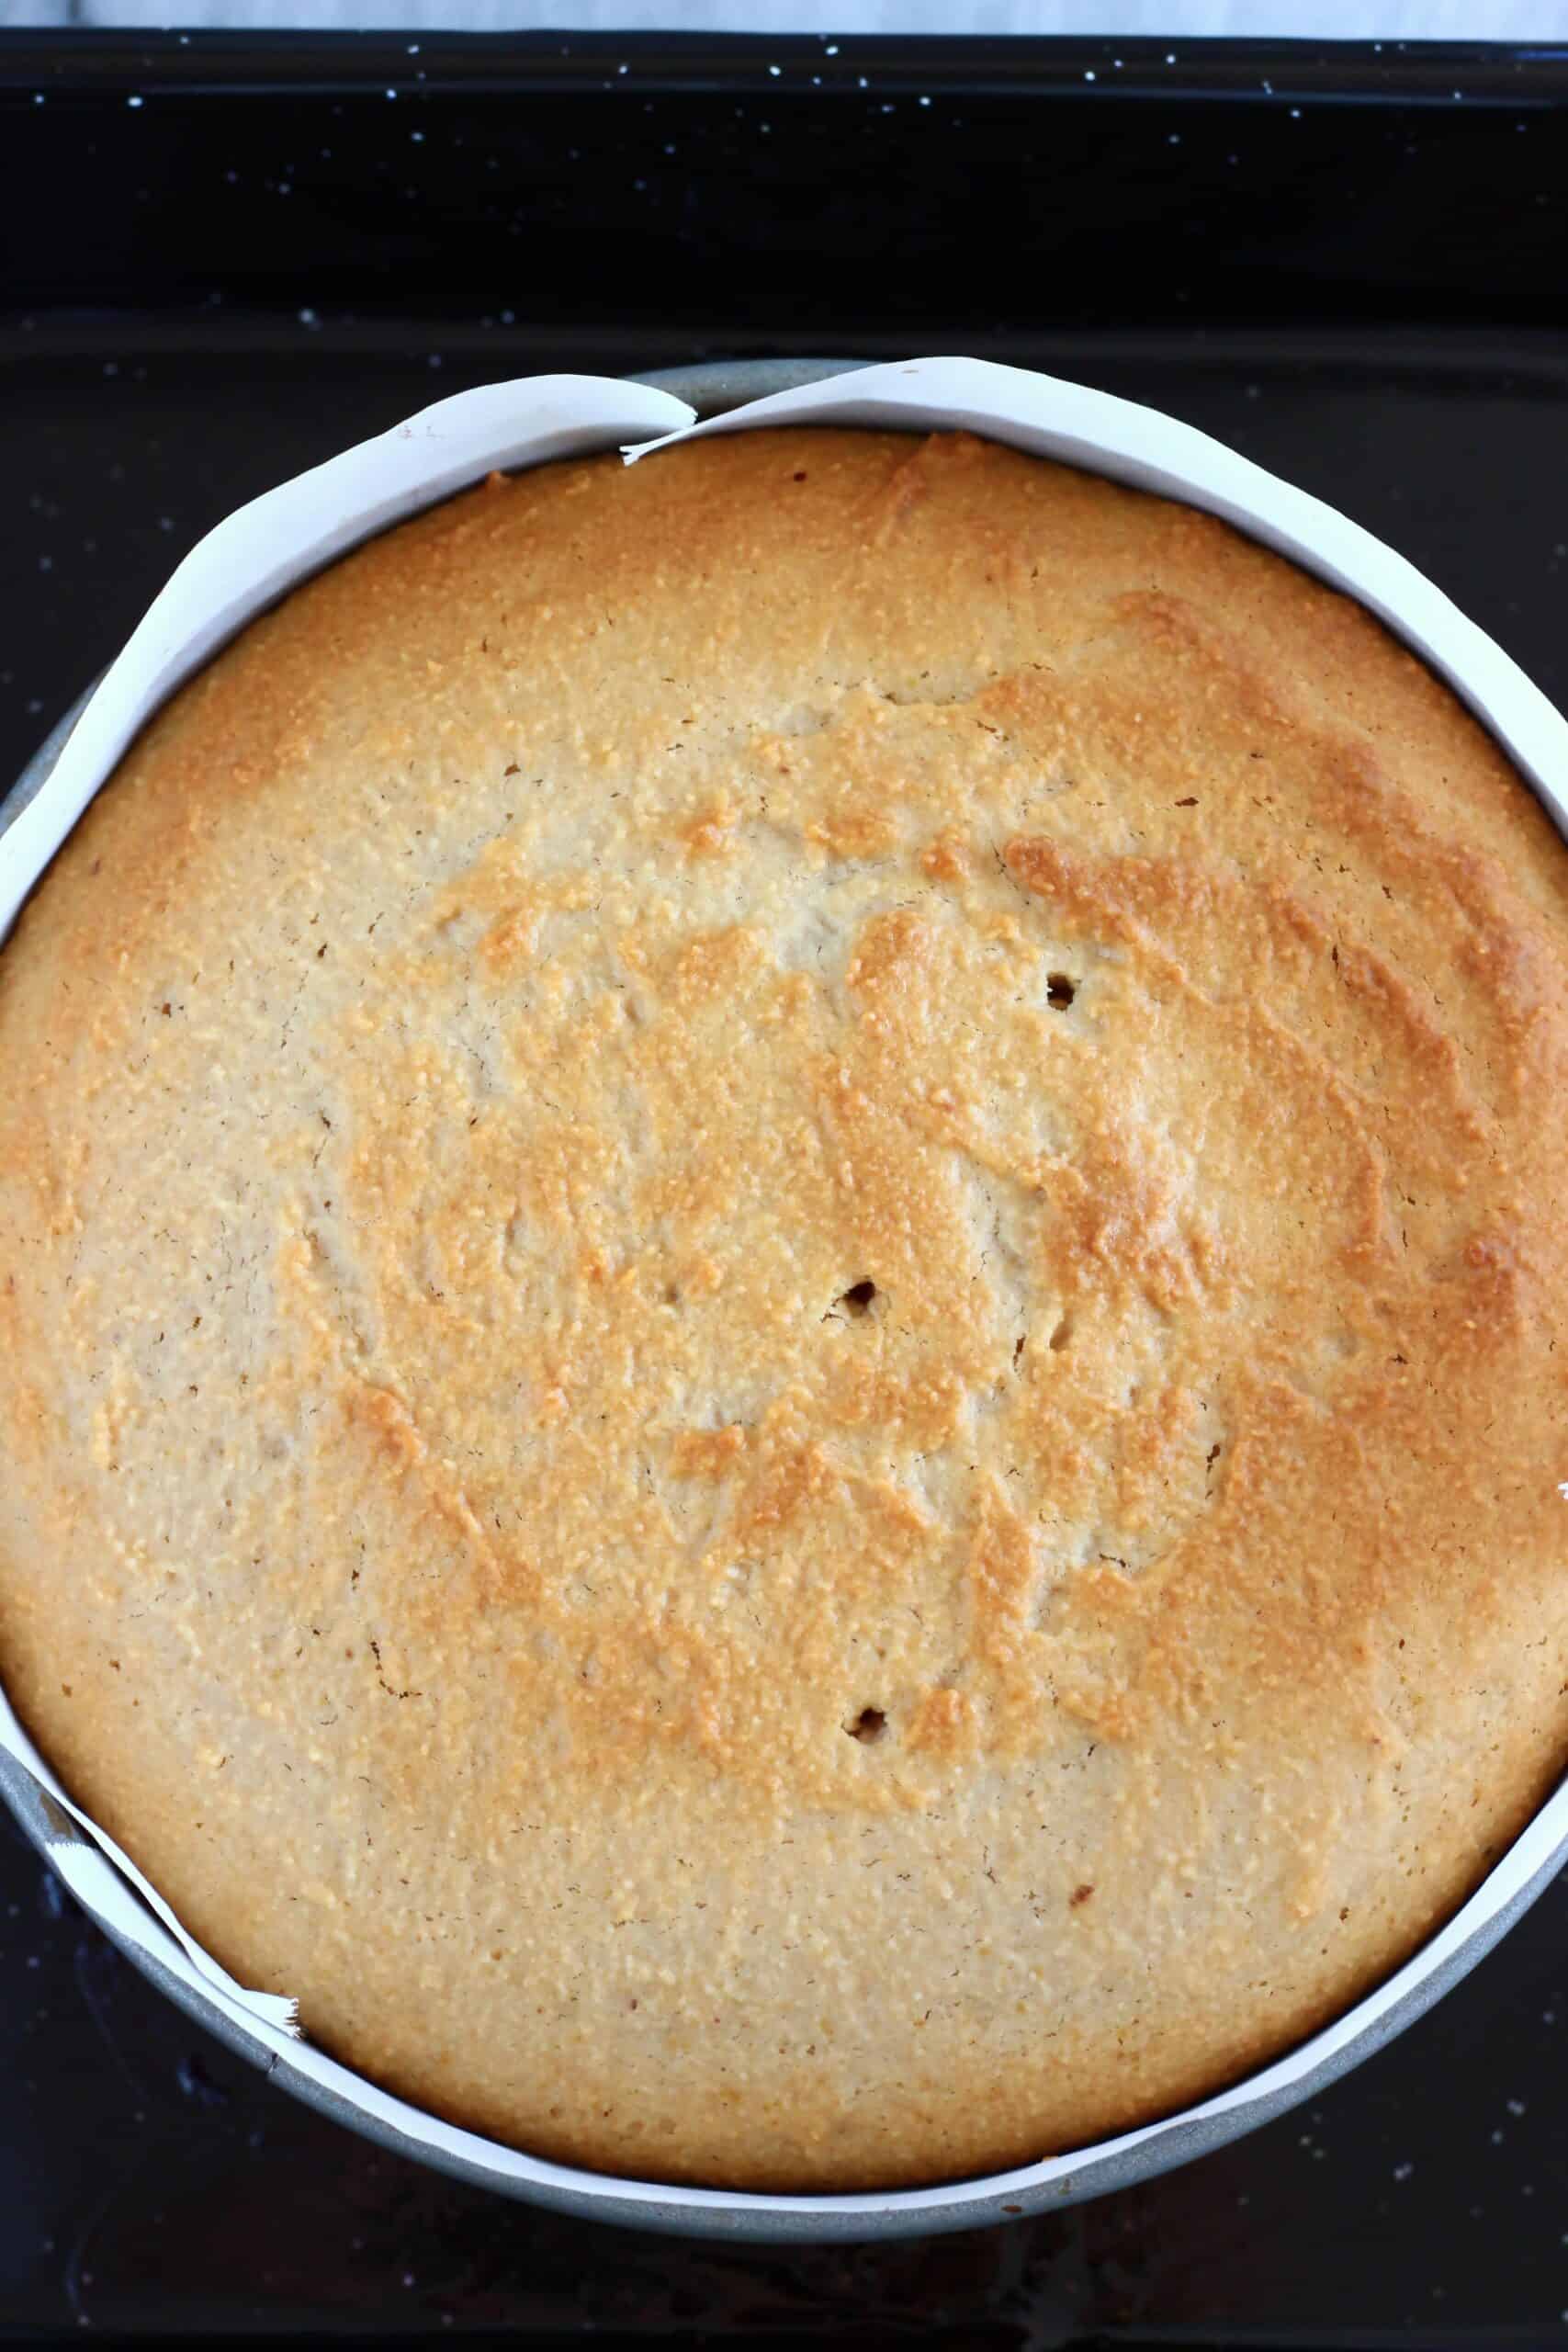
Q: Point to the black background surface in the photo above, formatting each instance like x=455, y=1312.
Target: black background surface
x=224, y=259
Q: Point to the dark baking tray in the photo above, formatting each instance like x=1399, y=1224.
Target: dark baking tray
x=1323, y=254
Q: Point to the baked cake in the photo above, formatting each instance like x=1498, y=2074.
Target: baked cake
x=781, y=1260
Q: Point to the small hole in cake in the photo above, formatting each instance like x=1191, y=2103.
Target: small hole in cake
x=1061, y=1334
x=1018, y=1349
x=1060, y=990
x=870, y=1724
x=800, y=477
x=857, y=1299
x=671, y=1295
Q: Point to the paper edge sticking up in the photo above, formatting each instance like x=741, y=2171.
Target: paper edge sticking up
x=262, y=549
x=1104, y=433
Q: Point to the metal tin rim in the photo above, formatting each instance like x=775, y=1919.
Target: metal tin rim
x=712, y=389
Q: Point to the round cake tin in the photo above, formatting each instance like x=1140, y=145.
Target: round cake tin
x=716, y=2213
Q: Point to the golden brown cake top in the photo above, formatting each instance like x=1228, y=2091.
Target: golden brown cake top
x=780, y=1268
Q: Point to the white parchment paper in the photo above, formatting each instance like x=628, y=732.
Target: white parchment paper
x=257, y=553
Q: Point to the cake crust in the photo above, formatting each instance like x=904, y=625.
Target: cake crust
x=781, y=1259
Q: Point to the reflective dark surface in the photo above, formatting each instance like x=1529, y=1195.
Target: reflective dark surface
x=1385, y=327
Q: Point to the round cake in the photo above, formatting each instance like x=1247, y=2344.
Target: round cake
x=781, y=1261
